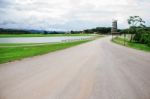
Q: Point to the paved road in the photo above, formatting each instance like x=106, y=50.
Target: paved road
x=95, y=70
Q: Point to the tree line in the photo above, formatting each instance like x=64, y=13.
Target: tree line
x=13, y=31
x=97, y=30
x=17, y=31
x=138, y=30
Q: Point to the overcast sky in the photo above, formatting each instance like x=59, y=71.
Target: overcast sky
x=70, y=14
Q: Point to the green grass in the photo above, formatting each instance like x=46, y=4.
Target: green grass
x=41, y=35
x=8, y=54
x=134, y=45
x=16, y=44
x=21, y=44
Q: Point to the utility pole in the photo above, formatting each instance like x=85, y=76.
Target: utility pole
x=124, y=39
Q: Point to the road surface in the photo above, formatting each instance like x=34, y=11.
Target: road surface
x=95, y=70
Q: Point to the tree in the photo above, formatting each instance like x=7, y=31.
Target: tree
x=135, y=22
x=99, y=30
x=72, y=32
x=45, y=32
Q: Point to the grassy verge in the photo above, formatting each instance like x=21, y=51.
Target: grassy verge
x=8, y=54
x=21, y=44
x=17, y=44
x=41, y=35
x=134, y=45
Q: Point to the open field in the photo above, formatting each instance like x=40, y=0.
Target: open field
x=20, y=44
x=10, y=52
x=41, y=35
x=120, y=40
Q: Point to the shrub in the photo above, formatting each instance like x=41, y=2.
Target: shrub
x=142, y=36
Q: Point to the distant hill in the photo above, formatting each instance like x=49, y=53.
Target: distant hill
x=22, y=31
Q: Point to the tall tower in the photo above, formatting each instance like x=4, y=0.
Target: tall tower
x=114, y=27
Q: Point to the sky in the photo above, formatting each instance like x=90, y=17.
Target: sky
x=66, y=15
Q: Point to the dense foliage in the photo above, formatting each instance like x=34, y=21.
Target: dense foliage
x=139, y=32
x=142, y=36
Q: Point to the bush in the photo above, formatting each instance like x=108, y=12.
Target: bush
x=148, y=44
x=137, y=37
x=142, y=36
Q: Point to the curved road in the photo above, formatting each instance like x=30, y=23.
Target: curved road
x=95, y=70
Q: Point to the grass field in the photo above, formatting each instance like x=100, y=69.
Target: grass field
x=22, y=44
x=14, y=53
x=120, y=40
x=41, y=35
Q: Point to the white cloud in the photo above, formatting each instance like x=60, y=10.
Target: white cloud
x=69, y=14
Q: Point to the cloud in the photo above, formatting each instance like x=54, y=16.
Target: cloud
x=69, y=14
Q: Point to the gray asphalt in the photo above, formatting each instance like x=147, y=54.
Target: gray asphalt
x=95, y=70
